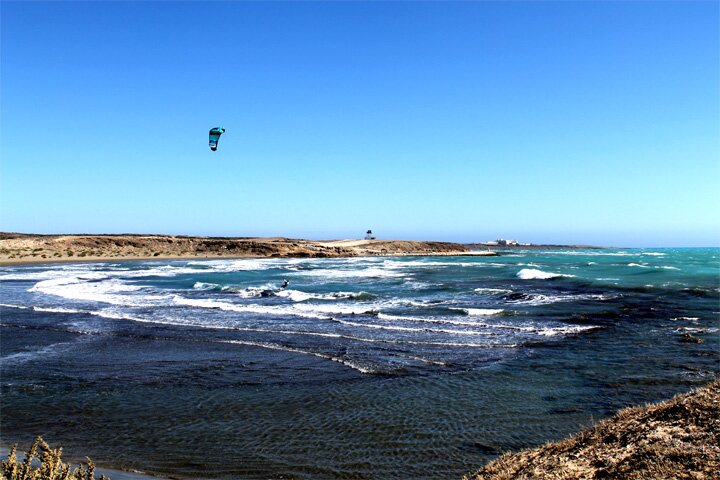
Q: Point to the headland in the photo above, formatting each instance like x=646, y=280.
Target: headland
x=19, y=248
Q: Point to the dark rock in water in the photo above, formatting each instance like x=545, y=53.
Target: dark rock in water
x=485, y=448
x=515, y=296
x=687, y=338
x=699, y=292
x=568, y=409
x=267, y=293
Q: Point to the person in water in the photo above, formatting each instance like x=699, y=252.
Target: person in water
x=285, y=284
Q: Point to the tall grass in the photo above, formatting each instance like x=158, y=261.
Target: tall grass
x=48, y=467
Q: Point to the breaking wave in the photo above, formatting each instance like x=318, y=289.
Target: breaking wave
x=533, y=274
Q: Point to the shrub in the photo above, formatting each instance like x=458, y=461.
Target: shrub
x=51, y=466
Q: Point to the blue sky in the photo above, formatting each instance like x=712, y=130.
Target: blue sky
x=567, y=122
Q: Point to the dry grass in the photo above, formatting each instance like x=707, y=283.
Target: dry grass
x=675, y=439
x=51, y=466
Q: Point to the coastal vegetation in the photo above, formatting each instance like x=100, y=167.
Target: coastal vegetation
x=41, y=462
x=675, y=439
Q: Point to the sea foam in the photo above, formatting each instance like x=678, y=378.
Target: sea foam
x=533, y=274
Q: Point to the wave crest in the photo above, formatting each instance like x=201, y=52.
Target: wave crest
x=534, y=274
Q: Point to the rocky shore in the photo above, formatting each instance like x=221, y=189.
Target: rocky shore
x=16, y=248
x=675, y=439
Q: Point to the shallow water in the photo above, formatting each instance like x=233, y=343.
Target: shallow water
x=422, y=367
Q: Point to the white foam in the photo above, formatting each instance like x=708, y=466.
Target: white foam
x=97, y=272
x=539, y=299
x=117, y=315
x=431, y=262
x=371, y=272
x=250, y=308
x=250, y=292
x=22, y=357
x=415, y=285
x=57, y=310
x=9, y=305
x=98, y=289
x=108, y=313
x=696, y=330
x=302, y=310
x=237, y=265
x=336, y=309
x=483, y=311
x=42, y=275
x=161, y=271
x=569, y=330
x=590, y=254
x=295, y=295
x=645, y=265
x=275, y=346
x=300, y=296
x=492, y=290
x=478, y=311
x=405, y=318
x=533, y=274
x=409, y=329
x=403, y=302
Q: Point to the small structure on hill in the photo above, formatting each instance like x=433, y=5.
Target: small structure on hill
x=369, y=235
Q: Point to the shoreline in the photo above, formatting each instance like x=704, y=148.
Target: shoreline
x=50, y=261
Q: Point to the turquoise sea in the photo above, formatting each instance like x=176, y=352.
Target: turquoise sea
x=373, y=367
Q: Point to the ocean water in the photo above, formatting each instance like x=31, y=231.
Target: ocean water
x=381, y=367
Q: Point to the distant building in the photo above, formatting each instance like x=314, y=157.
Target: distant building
x=506, y=243
x=369, y=235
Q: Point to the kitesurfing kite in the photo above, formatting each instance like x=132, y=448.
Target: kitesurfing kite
x=215, y=136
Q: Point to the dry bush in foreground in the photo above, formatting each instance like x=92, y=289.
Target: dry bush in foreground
x=50, y=465
x=675, y=439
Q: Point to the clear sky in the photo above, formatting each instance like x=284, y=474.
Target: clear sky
x=569, y=122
